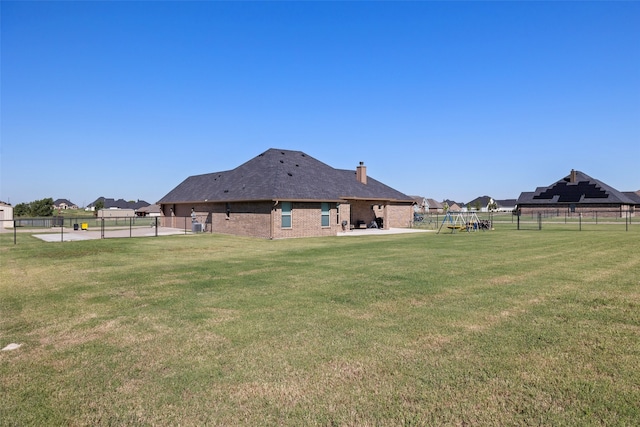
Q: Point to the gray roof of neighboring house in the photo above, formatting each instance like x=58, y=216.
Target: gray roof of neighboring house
x=58, y=202
x=120, y=203
x=633, y=195
x=583, y=190
x=506, y=202
x=281, y=175
x=434, y=204
x=150, y=209
x=483, y=201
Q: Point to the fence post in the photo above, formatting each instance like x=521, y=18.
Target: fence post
x=580, y=220
x=156, y=226
x=15, y=242
x=130, y=225
x=102, y=228
x=539, y=221
x=62, y=231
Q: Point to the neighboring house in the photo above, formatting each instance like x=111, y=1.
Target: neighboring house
x=574, y=194
x=64, y=204
x=151, y=210
x=434, y=206
x=421, y=204
x=487, y=204
x=6, y=215
x=480, y=204
x=634, y=196
x=452, y=206
x=118, y=204
x=282, y=194
x=506, y=205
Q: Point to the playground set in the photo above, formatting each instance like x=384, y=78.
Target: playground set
x=464, y=221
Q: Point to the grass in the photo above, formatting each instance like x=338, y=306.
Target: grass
x=504, y=327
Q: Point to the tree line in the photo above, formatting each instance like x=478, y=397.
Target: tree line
x=42, y=207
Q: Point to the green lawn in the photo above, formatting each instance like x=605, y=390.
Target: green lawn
x=490, y=328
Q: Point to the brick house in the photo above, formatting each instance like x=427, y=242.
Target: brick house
x=283, y=194
x=577, y=193
x=64, y=204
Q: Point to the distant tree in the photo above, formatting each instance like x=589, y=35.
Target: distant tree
x=21, y=209
x=43, y=207
x=478, y=205
x=445, y=207
x=493, y=206
x=99, y=205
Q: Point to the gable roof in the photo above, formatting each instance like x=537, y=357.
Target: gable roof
x=434, y=204
x=633, y=196
x=58, y=202
x=119, y=204
x=575, y=188
x=506, y=203
x=149, y=209
x=281, y=175
x=482, y=201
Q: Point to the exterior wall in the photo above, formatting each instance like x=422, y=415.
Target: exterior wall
x=116, y=213
x=611, y=211
x=306, y=221
x=241, y=219
x=256, y=219
x=344, y=215
x=398, y=216
x=6, y=216
x=250, y=219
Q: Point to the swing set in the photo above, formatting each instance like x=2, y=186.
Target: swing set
x=459, y=221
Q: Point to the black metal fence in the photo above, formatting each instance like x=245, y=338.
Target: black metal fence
x=586, y=220
x=63, y=229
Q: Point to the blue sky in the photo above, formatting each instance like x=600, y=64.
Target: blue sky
x=440, y=99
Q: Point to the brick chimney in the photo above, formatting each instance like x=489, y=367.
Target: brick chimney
x=572, y=176
x=361, y=173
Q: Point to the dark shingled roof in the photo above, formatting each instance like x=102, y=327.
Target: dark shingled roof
x=584, y=190
x=120, y=203
x=281, y=175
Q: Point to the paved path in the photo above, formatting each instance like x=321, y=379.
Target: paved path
x=72, y=235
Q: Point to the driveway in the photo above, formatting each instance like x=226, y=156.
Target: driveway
x=73, y=236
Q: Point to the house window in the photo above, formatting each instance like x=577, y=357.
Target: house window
x=325, y=214
x=286, y=214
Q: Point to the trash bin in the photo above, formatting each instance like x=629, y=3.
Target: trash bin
x=75, y=227
x=85, y=226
